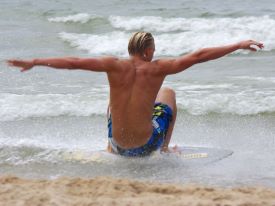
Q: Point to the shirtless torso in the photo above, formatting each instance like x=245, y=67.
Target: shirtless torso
x=133, y=92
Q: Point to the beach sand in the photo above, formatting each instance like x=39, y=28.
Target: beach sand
x=110, y=191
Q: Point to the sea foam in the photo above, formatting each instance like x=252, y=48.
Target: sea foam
x=114, y=43
x=195, y=99
x=160, y=24
x=15, y=107
x=76, y=18
x=176, y=36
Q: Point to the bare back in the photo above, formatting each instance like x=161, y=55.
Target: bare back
x=133, y=91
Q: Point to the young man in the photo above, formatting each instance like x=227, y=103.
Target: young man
x=142, y=114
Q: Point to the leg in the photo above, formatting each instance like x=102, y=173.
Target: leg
x=109, y=148
x=168, y=96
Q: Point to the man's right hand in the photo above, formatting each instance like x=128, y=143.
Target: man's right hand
x=23, y=64
x=249, y=45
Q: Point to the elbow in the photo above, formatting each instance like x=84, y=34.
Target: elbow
x=201, y=56
x=73, y=63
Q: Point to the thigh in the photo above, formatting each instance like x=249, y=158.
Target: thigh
x=167, y=96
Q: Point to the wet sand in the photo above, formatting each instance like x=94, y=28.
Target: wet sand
x=110, y=191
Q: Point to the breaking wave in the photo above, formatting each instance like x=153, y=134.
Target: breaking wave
x=174, y=36
x=195, y=99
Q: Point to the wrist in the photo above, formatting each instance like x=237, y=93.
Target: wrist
x=34, y=62
x=239, y=45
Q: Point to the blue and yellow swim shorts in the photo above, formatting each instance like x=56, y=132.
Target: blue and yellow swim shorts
x=162, y=115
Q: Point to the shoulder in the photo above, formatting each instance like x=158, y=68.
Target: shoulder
x=163, y=62
x=115, y=64
x=161, y=65
x=109, y=59
x=174, y=65
x=110, y=62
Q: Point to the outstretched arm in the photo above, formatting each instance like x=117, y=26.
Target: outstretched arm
x=172, y=66
x=104, y=64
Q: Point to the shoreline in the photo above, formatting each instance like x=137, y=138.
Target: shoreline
x=113, y=191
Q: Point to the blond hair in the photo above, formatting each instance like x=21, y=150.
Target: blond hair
x=139, y=42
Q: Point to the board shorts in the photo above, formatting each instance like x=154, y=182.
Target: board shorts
x=162, y=116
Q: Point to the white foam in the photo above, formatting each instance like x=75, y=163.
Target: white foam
x=192, y=34
x=241, y=103
x=114, y=43
x=251, y=78
x=81, y=18
x=249, y=24
x=14, y=107
x=193, y=98
x=203, y=87
x=204, y=31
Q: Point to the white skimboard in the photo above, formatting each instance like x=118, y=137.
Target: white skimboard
x=202, y=155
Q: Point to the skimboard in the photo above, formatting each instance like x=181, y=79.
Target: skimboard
x=202, y=155
x=199, y=155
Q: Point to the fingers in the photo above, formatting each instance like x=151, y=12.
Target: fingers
x=261, y=45
x=252, y=49
x=10, y=62
x=13, y=62
x=254, y=45
x=22, y=64
x=258, y=44
x=16, y=63
x=24, y=69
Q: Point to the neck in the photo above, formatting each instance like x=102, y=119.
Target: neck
x=137, y=58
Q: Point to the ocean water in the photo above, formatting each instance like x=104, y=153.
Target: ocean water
x=229, y=103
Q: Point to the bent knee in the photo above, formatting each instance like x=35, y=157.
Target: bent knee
x=168, y=91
